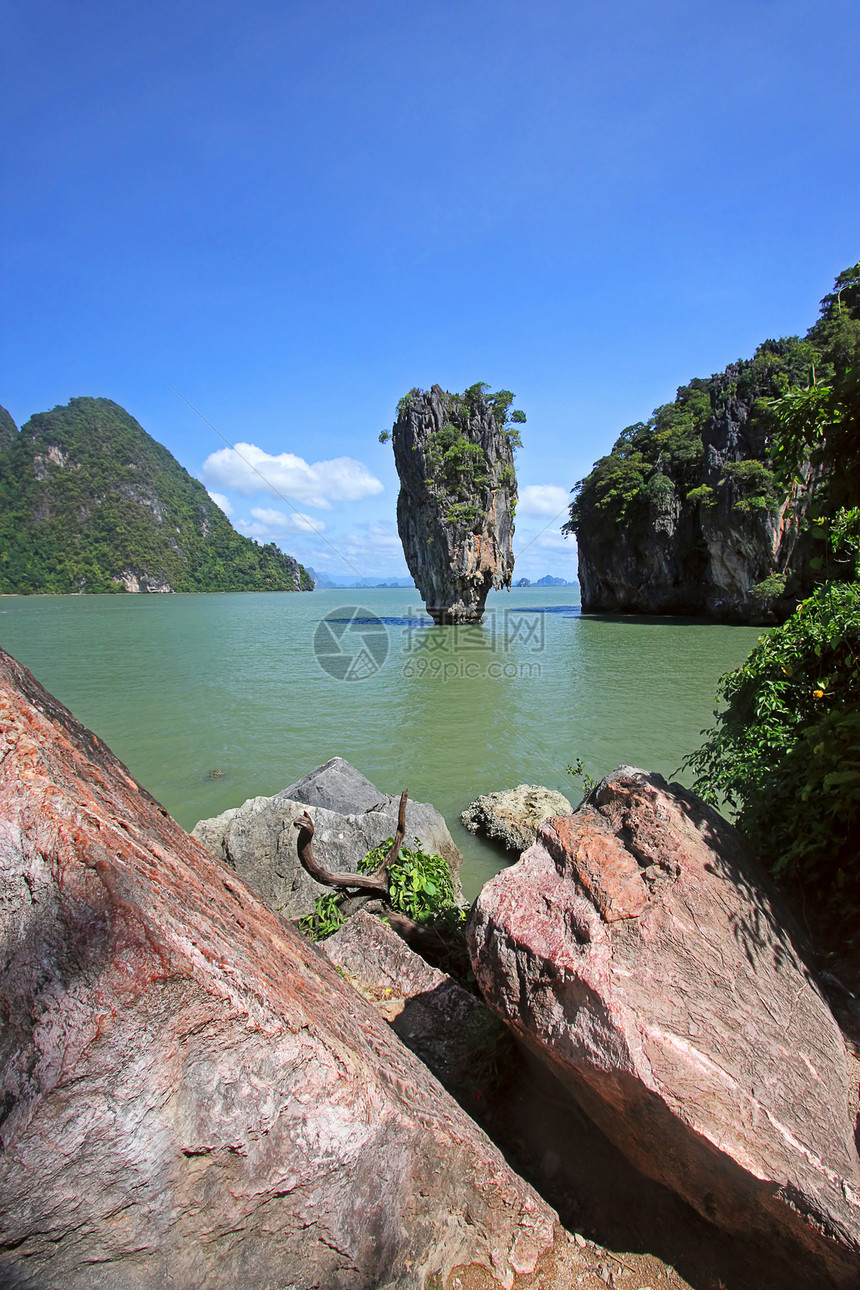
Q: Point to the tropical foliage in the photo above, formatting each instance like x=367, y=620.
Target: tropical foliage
x=419, y=885
x=458, y=472
x=469, y=402
x=664, y=457
x=796, y=401
x=785, y=750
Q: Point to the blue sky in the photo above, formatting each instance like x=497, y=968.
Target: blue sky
x=294, y=212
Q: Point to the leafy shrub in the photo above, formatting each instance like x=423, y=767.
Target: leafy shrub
x=325, y=918
x=419, y=885
x=659, y=489
x=785, y=751
x=755, y=484
x=769, y=589
x=578, y=771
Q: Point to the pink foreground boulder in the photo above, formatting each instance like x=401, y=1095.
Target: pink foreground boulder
x=191, y=1096
x=637, y=950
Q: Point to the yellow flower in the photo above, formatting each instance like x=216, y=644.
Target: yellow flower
x=818, y=694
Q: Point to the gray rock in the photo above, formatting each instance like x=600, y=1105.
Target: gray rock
x=258, y=839
x=456, y=529
x=338, y=786
x=639, y=952
x=511, y=816
x=192, y=1096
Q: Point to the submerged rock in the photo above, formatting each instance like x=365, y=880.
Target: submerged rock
x=457, y=496
x=192, y=1095
x=511, y=817
x=638, y=951
x=351, y=817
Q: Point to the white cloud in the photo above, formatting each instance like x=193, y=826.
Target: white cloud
x=542, y=499
x=292, y=523
x=222, y=502
x=247, y=469
x=375, y=545
x=254, y=530
x=540, y=552
x=551, y=540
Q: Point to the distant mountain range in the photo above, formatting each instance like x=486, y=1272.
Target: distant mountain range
x=327, y=582
x=89, y=502
x=546, y=581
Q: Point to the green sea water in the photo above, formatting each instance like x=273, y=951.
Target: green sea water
x=211, y=699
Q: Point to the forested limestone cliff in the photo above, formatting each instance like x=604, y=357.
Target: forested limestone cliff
x=89, y=502
x=705, y=509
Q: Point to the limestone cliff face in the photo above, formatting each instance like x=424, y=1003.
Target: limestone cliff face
x=457, y=495
x=711, y=533
x=681, y=558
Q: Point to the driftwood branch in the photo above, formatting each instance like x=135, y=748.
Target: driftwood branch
x=371, y=887
x=383, y=869
x=371, y=882
x=375, y=883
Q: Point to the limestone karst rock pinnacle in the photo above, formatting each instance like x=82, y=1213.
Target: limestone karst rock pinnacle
x=458, y=489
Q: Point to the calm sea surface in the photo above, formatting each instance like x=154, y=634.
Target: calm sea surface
x=210, y=699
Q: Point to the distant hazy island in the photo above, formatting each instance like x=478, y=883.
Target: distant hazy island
x=547, y=581
x=333, y=582
x=89, y=502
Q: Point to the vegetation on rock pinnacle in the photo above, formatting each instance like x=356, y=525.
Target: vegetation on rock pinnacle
x=785, y=746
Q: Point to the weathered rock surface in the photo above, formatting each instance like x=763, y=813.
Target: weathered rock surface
x=684, y=559
x=637, y=951
x=432, y=1014
x=192, y=1095
x=551, y=1143
x=338, y=786
x=258, y=838
x=511, y=817
x=455, y=507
